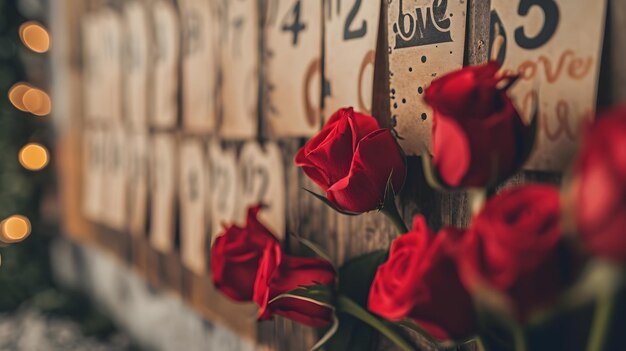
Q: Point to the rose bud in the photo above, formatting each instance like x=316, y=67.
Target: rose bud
x=512, y=247
x=279, y=274
x=351, y=159
x=600, y=187
x=419, y=281
x=478, y=136
x=235, y=256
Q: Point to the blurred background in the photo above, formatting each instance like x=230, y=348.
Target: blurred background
x=35, y=313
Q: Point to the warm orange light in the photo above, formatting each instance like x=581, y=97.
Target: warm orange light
x=37, y=102
x=15, y=228
x=35, y=37
x=34, y=157
x=16, y=94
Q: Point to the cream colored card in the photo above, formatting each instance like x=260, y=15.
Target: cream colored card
x=351, y=31
x=163, y=173
x=198, y=73
x=224, y=188
x=426, y=41
x=262, y=181
x=166, y=57
x=556, y=46
x=112, y=46
x=115, y=206
x=239, y=47
x=137, y=47
x=192, y=194
x=93, y=173
x=293, y=48
x=137, y=182
x=93, y=70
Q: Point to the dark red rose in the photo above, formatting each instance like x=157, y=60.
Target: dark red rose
x=235, y=257
x=478, y=136
x=419, y=281
x=600, y=187
x=351, y=159
x=512, y=247
x=279, y=274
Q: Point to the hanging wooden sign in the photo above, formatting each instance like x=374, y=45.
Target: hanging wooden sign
x=136, y=53
x=262, y=181
x=351, y=33
x=163, y=185
x=112, y=46
x=93, y=73
x=115, y=159
x=192, y=194
x=224, y=189
x=426, y=40
x=198, y=66
x=239, y=47
x=293, y=52
x=555, y=46
x=137, y=182
x=93, y=170
x=166, y=56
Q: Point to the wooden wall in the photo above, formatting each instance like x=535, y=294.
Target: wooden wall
x=341, y=236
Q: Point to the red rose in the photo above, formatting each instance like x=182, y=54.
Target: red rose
x=419, y=281
x=279, y=274
x=600, y=187
x=478, y=136
x=235, y=257
x=511, y=247
x=351, y=159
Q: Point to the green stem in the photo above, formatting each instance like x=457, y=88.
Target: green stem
x=345, y=304
x=519, y=339
x=391, y=211
x=601, y=322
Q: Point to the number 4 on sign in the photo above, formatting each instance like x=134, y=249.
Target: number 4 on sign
x=296, y=25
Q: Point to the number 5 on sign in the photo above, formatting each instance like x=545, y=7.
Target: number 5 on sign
x=293, y=51
x=555, y=46
x=350, y=45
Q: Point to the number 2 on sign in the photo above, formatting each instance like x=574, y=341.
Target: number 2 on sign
x=349, y=30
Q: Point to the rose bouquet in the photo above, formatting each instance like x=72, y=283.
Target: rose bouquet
x=533, y=256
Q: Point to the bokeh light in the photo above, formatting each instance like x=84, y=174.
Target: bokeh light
x=15, y=228
x=34, y=156
x=35, y=37
x=28, y=99
x=37, y=102
x=16, y=94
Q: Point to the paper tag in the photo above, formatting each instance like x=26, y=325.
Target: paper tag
x=262, y=181
x=110, y=30
x=426, y=40
x=293, y=50
x=199, y=75
x=114, y=210
x=93, y=173
x=163, y=191
x=350, y=49
x=137, y=182
x=192, y=195
x=555, y=45
x=93, y=69
x=166, y=57
x=136, y=52
x=224, y=191
x=239, y=47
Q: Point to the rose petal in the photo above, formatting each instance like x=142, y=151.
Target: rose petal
x=376, y=158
